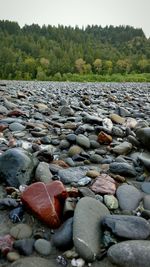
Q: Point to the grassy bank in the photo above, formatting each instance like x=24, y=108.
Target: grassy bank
x=144, y=77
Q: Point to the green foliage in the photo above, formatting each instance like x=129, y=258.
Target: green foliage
x=67, y=53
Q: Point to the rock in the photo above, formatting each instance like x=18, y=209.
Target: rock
x=72, y=174
x=66, y=111
x=92, y=173
x=146, y=187
x=74, y=150
x=21, y=231
x=43, y=173
x=122, y=112
x=86, y=227
x=24, y=246
x=104, y=184
x=45, y=201
x=16, y=167
x=111, y=202
x=104, y=138
x=128, y=196
x=95, y=158
x=63, y=237
x=122, y=168
x=15, y=126
x=133, y=253
x=144, y=158
x=84, y=181
x=83, y=141
x=8, y=202
x=16, y=215
x=13, y=256
x=34, y=262
x=143, y=134
x=129, y=227
x=6, y=243
x=117, y=131
x=146, y=202
x=43, y=247
x=123, y=148
x=117, y=119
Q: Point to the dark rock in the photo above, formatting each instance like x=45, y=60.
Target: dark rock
x=122, y=168
x=24, y=246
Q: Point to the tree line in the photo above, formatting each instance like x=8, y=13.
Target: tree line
x=43, y=53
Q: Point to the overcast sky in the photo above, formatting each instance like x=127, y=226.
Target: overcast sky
x=78, y=12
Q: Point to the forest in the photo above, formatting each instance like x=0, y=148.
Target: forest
x=67, y=53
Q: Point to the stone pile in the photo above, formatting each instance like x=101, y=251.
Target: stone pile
x=74, y=174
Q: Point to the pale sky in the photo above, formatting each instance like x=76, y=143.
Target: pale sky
x=135, y=13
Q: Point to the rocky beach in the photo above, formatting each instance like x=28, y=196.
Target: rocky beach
x=74, y=174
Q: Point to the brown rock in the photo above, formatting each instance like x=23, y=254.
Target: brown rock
x=104, y=138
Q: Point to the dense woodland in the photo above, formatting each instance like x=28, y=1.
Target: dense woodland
x=49, y=52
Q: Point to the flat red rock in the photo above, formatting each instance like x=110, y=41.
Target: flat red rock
x=46, y=201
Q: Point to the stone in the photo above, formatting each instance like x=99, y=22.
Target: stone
x=46, y=201
x=43, y=247
x=146, y=202
x=128, y=196
x=24, y=246
x=111, y=202
x=144, y=159
x=13, y=256
x=95, y=158
x=16, y=167
x=92, y=173
x=33, y=261
x=63, y=237
x=83, y=141
x=72, y=174
x=42, y=173
x=122, y=168
x=6, y=244
x=21, y=231
x=15, y=126
x=86, y=227
x=74, y=150
x=104, y=184
x=145, y=186
x=104, y=138
x=128, y=227
x=117, y=119
x=66, y=111
x=143, y=134
x=123, y=148
x=133, y=253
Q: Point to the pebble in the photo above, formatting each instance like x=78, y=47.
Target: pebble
x=21, y=231
x=43, y=247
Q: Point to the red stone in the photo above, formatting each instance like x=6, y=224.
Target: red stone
x=15, y=113
x=104, y=138
x=46, y=201
x=6, y=244
x=3, y=127
x=104, y=184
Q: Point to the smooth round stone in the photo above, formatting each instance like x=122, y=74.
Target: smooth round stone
x=133, y=253
x=95, y=158
x=70, y=162
x=92, y=173
x=116, y=131
x=117, y=119
x=146, y=202
x=86, y=227
x=74, y=150
x=3, y=110
x=144, y=158
x=21, y=231
x=63, y=237
x=111, y=202
x=83, y=141
x=66, y=111
x=129, y=227
x=71, y=138
x=123, y=148
x=122, y=168
x=34, y=262
x=43, y=247
x=143, y=135
x=24, y=246
x=94, y=144
x=128, y=197
x=43, y=173
x=64, y=144
x=15, y=126
x=146, y=187
x=16, y=166
x=84, y=181
x=13, y=256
